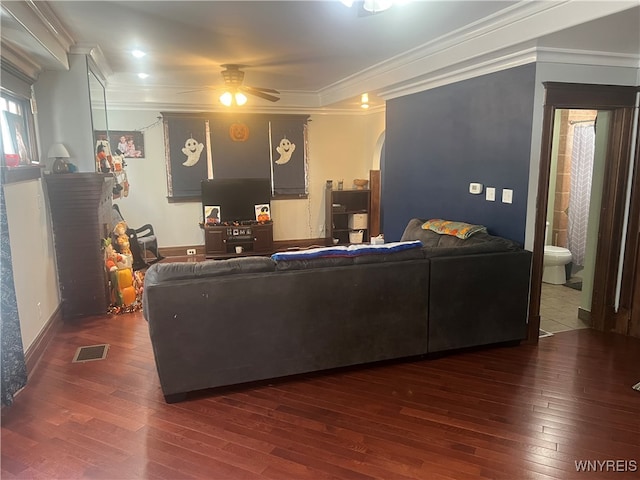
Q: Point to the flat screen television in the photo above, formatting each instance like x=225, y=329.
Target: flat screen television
x=234, y=199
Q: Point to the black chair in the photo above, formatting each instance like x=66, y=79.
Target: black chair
x=144, y=237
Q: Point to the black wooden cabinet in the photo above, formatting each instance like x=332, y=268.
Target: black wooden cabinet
x=80, y=206
x=222, y=241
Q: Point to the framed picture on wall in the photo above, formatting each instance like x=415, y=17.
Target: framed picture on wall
x=130, y=143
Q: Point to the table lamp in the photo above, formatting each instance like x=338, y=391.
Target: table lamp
x=60, y=153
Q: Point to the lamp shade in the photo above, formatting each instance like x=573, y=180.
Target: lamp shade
x=58, y=150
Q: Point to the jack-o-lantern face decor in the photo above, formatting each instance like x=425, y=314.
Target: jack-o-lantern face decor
x=239, y=132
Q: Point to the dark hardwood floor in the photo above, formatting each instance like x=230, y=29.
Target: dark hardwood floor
x=524, y=412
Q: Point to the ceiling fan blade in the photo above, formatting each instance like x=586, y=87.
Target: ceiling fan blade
x=194, y=91
x=202, y=89
x=267, y=90
x=259, y=93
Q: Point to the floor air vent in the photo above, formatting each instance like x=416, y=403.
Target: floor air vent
x=90, y=353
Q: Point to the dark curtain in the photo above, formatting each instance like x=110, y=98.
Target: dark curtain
x=14, y=368
x=187, y=142
x=288, y=154
x=235, y=145
x=240, y=146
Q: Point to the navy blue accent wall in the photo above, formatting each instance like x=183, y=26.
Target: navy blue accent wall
x=440, y=140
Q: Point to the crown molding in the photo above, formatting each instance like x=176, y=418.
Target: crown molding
x=507, y=59
x=20, y=61
x=521, y=23
x=588, y=57
x=248, y=109
x=39, y=21
x=461, y=72
x=94, y=52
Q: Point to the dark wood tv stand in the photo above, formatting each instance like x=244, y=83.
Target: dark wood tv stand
x=220, y=241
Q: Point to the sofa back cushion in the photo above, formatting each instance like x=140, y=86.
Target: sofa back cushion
x=163, y=272
x=436, y=244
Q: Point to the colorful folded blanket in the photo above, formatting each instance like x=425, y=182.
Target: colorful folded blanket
x=347, y=251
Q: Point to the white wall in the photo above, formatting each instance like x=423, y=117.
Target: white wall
x=339, y=146
x=33, y=257
x=64, y=113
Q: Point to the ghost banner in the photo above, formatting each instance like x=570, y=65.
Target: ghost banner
x=188, y=151
x=288, y=153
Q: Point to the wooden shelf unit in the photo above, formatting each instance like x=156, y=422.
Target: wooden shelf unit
x=337, y=218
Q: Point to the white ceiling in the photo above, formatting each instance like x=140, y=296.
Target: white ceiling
x=317, y=53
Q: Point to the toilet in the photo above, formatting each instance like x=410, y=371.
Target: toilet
x=555, y=261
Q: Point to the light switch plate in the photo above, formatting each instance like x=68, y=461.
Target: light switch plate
x=507, y=195
x=491, y=194
x=475, y=188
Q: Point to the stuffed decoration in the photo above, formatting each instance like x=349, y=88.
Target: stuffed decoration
x=103, y=157
x=122, y=239
x=285, y=149
x=117, y=161
x=123, y=291
x=192, y=149
x=125, y=185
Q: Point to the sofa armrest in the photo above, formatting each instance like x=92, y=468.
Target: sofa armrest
x=478, y=299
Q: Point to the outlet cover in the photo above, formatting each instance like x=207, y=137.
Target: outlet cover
x=491, y=194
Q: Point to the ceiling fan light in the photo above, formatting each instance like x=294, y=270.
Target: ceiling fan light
x=241, y=98
x=226, y=99
x=375, y=6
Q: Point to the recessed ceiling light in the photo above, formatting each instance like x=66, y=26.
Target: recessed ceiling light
x=138, y=53
x=143, y=75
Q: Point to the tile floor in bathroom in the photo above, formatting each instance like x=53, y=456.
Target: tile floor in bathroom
x=559, y=309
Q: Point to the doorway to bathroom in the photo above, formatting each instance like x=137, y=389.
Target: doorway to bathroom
x=618, y=244
x=576, y=179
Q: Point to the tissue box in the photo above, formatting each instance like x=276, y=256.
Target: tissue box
x=358, y=221
x=379, y=240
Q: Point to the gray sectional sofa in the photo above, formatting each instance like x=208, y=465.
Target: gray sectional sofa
x=226, y=322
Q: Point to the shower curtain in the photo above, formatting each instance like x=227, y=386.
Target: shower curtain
x=580, y=193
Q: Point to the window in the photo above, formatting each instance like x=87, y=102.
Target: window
x=15, y=121
x=18, y=147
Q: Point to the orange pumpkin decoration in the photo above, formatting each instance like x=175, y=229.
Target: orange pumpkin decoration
x=239, y=132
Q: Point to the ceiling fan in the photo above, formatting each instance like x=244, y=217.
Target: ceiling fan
x=233, y=89
x=233, y=78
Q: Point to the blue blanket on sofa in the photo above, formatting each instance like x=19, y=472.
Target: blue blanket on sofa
x=347, y=251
